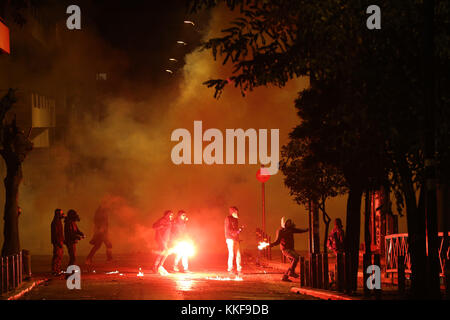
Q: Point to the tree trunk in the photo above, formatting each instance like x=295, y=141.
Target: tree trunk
x=326, y=220
x=415, y=218
x=15, y=147
x=315, y=226
x=11, y=244
x=353, y=233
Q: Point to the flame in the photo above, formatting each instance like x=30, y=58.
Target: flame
x=263, y=245
x=140, y=273
x=184, y=248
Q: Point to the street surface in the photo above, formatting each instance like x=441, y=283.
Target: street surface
x=209, y=280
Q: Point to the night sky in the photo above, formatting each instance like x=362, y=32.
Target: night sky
x=147, y=31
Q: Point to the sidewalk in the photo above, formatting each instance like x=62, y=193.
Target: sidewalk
x=389, y=289
x=25, y=287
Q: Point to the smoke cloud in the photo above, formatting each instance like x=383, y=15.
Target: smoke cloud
x=123, y=160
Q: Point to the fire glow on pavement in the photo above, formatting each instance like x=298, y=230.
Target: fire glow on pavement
x=237, y=278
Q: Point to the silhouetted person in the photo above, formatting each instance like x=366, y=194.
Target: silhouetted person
x=72, y=234
x=101, y=234
x=57, y=238
x=232, y=231
x=336, y=238
x=285, y=238
x=162, y=236
x=179, y=233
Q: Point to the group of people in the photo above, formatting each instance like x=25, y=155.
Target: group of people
x=70, y=234
x=168, y=230
x=284, y=238
x=171, y=228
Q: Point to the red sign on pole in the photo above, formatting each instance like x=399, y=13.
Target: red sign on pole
x=4, y=38
x=263, y=175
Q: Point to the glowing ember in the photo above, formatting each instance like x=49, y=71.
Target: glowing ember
x=225, y=279
x=140, y=273
x=263, y=245
x=113, y=272
x=184, y=249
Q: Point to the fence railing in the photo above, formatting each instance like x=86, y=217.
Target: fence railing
x=397, y=246
x=11, y=272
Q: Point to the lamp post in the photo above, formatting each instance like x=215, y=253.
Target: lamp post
x=263, y=175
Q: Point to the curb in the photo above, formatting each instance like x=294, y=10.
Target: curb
x=318, y=293
x=322, y=294
x=21, y=293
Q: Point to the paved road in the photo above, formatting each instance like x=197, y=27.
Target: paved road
x=207, y=282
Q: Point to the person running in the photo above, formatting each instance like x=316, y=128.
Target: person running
x=101, y=234
x=163, y=228
x=285, y=238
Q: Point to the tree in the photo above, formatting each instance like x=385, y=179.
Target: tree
x=365, y=105
x=308, y=178
x=15, y=146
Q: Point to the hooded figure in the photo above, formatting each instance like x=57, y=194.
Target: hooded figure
x=285, y=238
x=72, y=234
x=336, y=238
x=163, y=229
x=232, y=231
x=101, y=234
x=57, y=239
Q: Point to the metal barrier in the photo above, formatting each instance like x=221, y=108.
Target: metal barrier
x=314, y=271
x=397, y=246
x=10, y=272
